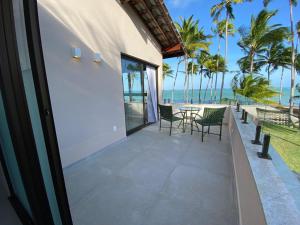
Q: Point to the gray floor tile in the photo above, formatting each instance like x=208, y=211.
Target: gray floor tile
x=153, y=178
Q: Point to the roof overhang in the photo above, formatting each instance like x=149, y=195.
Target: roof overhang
x=155, y=15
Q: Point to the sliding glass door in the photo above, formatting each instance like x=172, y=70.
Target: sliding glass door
x=132, y=73
x=136, y=93
x=29, y=151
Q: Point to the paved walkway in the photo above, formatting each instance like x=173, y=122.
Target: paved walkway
x=154, y=179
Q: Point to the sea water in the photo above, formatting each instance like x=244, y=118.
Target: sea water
x=227, y=93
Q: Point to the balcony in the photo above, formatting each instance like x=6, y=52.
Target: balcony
x=153, y=178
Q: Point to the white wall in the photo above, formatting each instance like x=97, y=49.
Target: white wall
x=87, y=98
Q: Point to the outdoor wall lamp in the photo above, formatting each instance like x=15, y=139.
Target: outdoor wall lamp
x=76, y=53
x=97, y=57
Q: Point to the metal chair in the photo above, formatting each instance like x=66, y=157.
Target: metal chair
x=166, y=113
x=211, y=117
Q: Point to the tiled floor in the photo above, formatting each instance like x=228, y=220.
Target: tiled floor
x=154, y=179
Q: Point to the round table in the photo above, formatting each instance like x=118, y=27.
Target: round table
x=190, y=109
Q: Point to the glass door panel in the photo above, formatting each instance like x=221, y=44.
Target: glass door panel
x=10, y=161
x=33, y=107
x=133, y=94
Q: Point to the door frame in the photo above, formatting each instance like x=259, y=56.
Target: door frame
x=144, y=63
x=19, y=122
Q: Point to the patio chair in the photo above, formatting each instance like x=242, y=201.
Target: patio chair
x=211, y=117
x=166, y=113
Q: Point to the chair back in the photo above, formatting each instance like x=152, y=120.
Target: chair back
x=165, y=111
x=214, y=115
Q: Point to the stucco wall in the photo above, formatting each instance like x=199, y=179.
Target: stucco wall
x=87, y=98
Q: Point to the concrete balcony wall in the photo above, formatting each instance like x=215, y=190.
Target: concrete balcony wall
x=249, y=205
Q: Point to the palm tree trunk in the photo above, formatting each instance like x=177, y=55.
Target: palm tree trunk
x=192, y=81
x=185, y=78
x=211, y=87
x=215, y=92
x=251, y=62
x=226, y=54
x=175, y=78
x=281, y=85
x=206, y=88
x=184, y=87
x=188, y=83
x=292, y=91
x=200, y=84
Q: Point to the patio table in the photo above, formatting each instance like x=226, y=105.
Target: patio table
x=189, y=111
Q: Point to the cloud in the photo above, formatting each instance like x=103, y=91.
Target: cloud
x=181, y=3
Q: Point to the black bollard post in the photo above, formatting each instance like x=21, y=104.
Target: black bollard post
x=256, y=141
x=245, y=117
x=238, y=107
x=243, y=114
x=265, y=148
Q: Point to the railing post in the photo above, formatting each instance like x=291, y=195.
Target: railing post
x=238, y=107
x=245, y=117
x=265, y=148
x=256, y=141
x=243, y=114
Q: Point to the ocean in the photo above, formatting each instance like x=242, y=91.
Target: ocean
x=227, y=93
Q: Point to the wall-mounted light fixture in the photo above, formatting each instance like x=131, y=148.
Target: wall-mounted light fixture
x=97, y=57
x=76, y=53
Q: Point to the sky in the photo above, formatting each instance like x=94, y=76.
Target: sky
x=200, y=9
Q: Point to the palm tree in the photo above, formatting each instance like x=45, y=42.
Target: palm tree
x=285, y=63
x=193, y=69
x=167, y=72
x=260, y=34
x=194, y=39
x=298, y=35
x=244, y=65
x=201, y=60
x=215, y=12
x=219, y=32
x=292, y=4
x=253, y=87
x=208, y=75
x=213, y=69
x=175, y=78
x=272, y=57
x=131, y=76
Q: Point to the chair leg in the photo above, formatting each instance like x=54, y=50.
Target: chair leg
x=220, y=132
x=171, y=128
x=179, y=124
x=202, y=133
x=160, y=124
